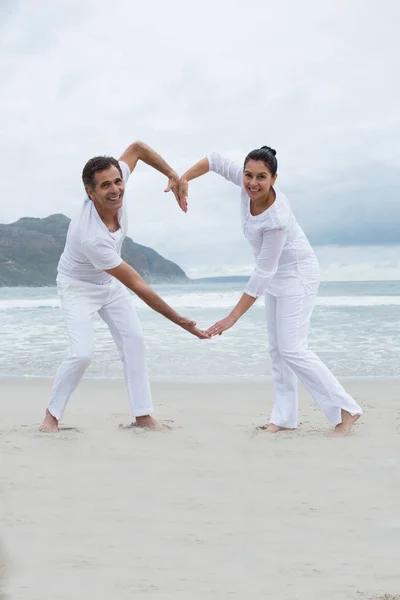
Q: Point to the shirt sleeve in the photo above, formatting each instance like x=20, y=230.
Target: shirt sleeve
x=125, y=170
x=267, y=261
x=225, y=167
x=101, y=254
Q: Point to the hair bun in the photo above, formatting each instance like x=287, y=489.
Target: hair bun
x=269, y=149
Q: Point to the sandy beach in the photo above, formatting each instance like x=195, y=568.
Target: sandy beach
x=212, y=508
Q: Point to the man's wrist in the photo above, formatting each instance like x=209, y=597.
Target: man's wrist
x=179, y=320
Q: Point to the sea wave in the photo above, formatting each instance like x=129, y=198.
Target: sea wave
x=32, y=303
x=358, y=301
x=207, y=300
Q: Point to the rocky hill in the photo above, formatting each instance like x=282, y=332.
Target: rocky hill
x=30, y=249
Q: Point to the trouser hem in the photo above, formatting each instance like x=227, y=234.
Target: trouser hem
x=352, y=413
x=143, y=412
x=54, y=414
x=282, y=424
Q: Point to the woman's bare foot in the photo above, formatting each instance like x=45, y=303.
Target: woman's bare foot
x=148, y=422
x=275, y=428
x=347, y=423
x=50, y=424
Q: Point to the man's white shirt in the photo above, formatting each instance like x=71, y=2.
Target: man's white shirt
x=90, y=248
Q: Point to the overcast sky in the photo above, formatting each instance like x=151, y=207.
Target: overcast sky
x=318, y=81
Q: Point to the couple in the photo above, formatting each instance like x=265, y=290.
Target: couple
x=93, y=278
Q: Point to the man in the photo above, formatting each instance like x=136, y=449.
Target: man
x=92, y=277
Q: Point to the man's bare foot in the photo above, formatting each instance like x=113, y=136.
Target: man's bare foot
x=50, y=423
x=275, y=428
x=148, y=422
x=347, y=423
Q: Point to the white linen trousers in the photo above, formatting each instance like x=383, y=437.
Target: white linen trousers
x=80, y=301
x=288, y=321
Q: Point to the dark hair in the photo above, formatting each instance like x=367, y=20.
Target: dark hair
x=267, y=155
x=95, y=165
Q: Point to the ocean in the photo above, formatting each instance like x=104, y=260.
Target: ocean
x=355, y=329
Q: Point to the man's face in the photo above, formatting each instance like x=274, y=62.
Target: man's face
x=108, y=191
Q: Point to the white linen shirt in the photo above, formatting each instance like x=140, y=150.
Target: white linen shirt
x=90, y=248
x=286, y=264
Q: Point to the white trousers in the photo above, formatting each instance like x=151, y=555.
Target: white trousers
x=80, y=301
x=288, y=321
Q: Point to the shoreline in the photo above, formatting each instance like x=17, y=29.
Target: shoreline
x=200, y=380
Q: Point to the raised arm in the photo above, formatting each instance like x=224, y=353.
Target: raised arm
x=140, y=151
x=225, y=167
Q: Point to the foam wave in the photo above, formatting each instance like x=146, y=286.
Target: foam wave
x=32, y=303
x=358, y=301
x=229, y=299
x=209, y=300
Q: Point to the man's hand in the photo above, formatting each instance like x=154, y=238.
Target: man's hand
x=221, y=326
x=173, y=186
x=190, y=326
x=183, y=194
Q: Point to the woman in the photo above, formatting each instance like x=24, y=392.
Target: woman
x=287, y=274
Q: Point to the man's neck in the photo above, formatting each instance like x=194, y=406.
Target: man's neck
x=109, y=217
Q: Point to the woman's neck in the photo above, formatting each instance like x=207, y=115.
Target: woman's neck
x=259, y=206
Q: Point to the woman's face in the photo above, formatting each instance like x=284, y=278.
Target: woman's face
x=257, y=179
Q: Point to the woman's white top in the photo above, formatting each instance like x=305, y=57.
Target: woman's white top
x=90, y=248
x=286, y=264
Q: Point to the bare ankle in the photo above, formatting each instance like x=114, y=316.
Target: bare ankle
x=50, y=423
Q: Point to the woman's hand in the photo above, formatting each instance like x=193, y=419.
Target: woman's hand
x=221, y=326
x=183, y=193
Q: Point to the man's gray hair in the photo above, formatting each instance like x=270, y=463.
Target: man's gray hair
x=95, y=165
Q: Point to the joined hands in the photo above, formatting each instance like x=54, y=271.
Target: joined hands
x=217, y=329
x=183, y=190
x=173, y=186
x=190, y=326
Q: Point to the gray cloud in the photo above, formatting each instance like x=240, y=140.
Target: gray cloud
x=318, y=82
